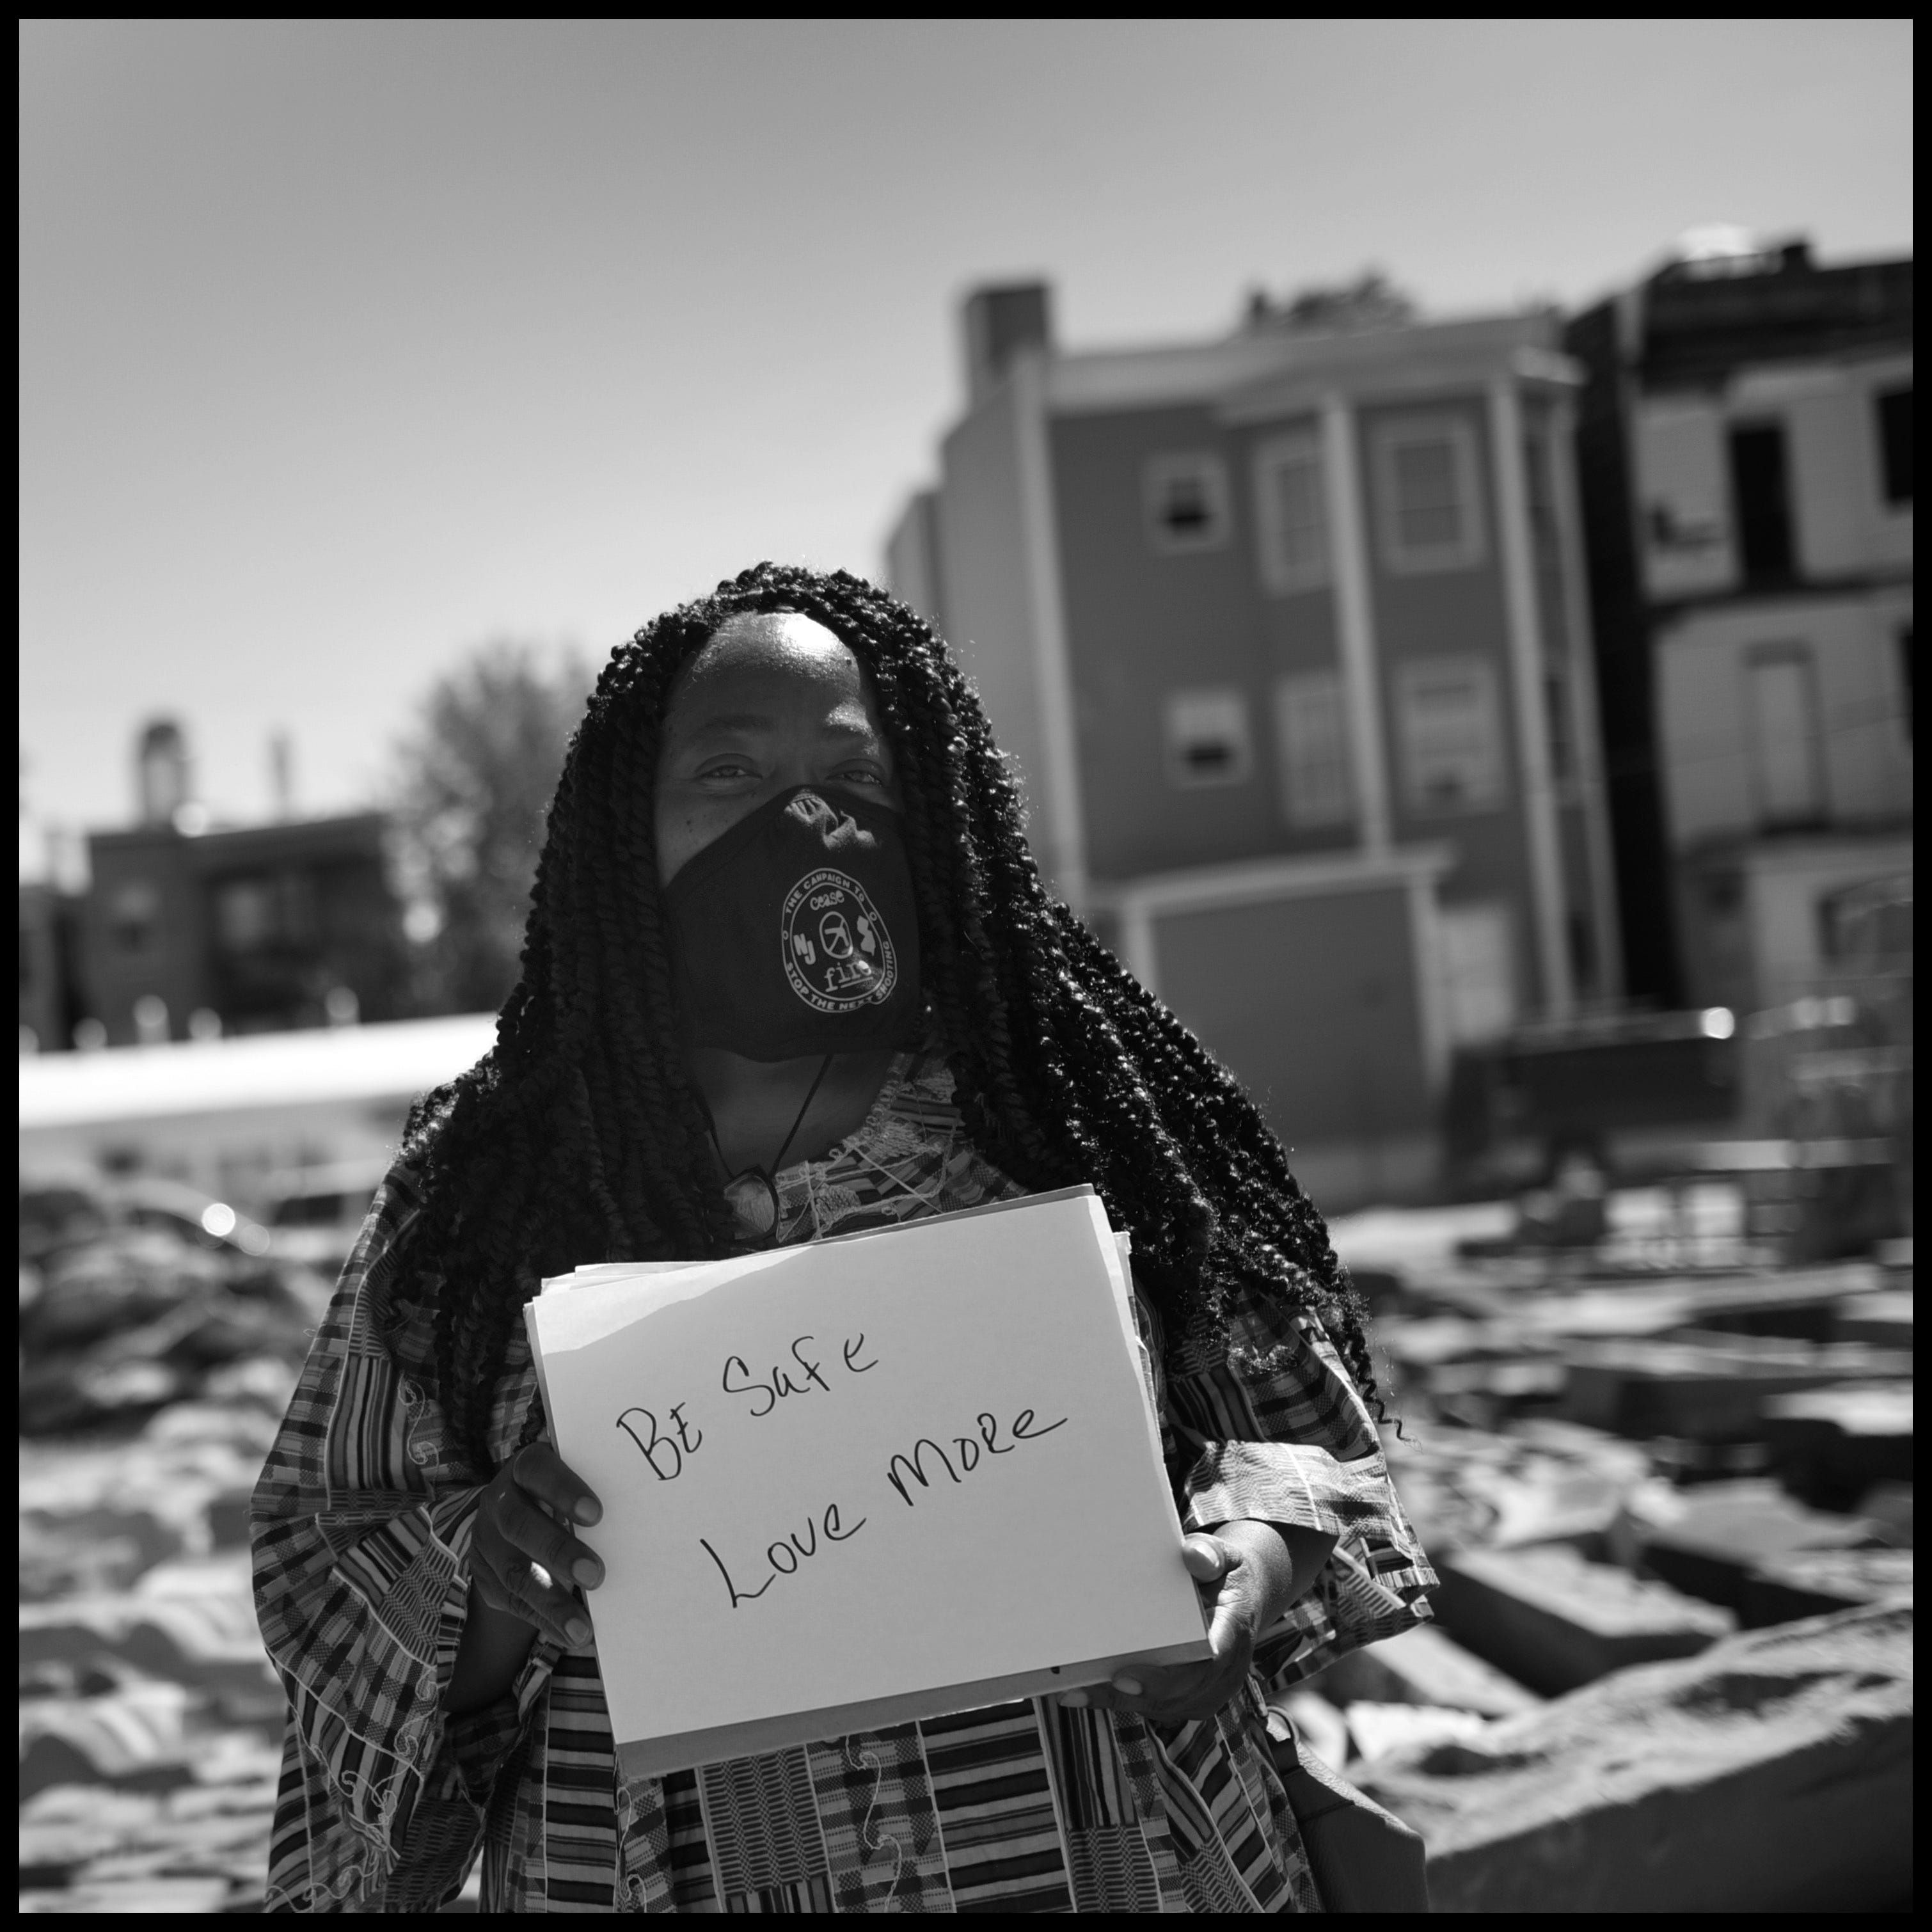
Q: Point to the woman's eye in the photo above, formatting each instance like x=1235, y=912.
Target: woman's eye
x=860, y=775
x=726, y=768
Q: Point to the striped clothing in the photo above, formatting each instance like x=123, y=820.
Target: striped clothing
x=362, y=1523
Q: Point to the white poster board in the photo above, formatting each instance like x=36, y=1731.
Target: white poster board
x=862, y=1481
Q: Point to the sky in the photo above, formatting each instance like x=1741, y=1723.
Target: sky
x=347, y=346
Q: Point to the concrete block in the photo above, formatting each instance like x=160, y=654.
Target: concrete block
x=1552, y=1620
x=141, y=1896
x=1707, y=1541
x=1889, y=1505
x=1772, y=1773
x=133, y=1737
x=1829, y=1446
x=1794, y=1302
x=178, y=1640
x=1544, y=1481
x=1424, y=1667
x=1882, y=1321
x=1815, y=1583
x=1705, y=1386
x=1381, y=1733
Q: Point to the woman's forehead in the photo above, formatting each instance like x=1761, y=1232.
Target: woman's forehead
x=777, y=663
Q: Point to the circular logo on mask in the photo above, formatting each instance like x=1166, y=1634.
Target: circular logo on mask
x=838, y=954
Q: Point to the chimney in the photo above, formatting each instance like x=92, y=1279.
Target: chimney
x=1000, y=322
x=282, y=774
x=161, y=772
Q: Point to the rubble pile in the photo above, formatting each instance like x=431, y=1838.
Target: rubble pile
x=150, y=1720
x=155, y=1369
x=1670, y=1669
x=1772, y=1772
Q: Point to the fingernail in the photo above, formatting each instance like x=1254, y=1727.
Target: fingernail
x=589, y=1509
x=577, y=1631
x=588, y=1571
x=1128, y=1687
x=1075, y=1700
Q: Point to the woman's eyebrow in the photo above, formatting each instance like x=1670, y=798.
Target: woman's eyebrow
x=741, y=724
x=732, y=724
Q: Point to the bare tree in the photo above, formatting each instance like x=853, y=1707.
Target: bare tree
x=473, y=780
x=1371, y=301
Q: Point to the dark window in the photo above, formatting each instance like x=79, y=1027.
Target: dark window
x=1185, y=510
x=1582, y=950
x=266, y=914
x=1894, y=444
x=1761, y=496
x=134, y=916
x=1723, y=894
x=1556, y=702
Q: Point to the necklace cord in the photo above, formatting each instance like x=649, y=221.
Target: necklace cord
x=784, y=1146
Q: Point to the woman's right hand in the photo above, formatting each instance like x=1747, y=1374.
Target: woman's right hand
x=524, y=1556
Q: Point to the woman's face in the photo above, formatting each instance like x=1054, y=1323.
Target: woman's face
x=773, y=701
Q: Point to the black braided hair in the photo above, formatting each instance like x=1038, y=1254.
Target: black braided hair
x=580, y=1136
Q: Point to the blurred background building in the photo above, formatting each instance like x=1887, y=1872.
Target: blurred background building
x=1288, y=632
x=184, y=930
x=1745, y=458
x=234, y=958
x=1492, y=737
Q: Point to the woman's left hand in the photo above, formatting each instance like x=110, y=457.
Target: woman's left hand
x=1246, y=1578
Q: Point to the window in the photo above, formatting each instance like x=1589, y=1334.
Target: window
x=1207, y=740
x=1895, y=445
x=245, y=915
x=1311, y=735
x=1451, y=730
x=134, y=916
x=1781, y=711
x=1291, y=515
x=1425, y=484
x=1761, y=501
x=256, y=915
x=1186, y=503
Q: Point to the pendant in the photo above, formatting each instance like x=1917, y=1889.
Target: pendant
x=754, y=1202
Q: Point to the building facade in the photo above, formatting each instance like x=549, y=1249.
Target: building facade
x=1746, y=458
x=1287, y=634
x=187, y=931
x=49, y=998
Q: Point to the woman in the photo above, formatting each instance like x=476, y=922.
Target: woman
x=662, y=1088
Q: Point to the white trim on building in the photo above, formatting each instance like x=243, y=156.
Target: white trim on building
x=1059, y=783
x=1354, y=623
x=1526, y=664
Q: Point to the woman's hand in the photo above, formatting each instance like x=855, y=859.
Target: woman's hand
x=1247, y=1575
x=524, y=1559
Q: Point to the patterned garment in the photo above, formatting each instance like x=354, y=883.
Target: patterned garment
x=362, y=1523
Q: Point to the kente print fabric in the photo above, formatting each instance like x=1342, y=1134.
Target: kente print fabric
x=362, y=1523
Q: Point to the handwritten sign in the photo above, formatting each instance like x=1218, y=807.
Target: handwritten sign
x=852, y=1484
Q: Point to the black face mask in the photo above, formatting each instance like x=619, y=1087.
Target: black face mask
x=797, y=931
